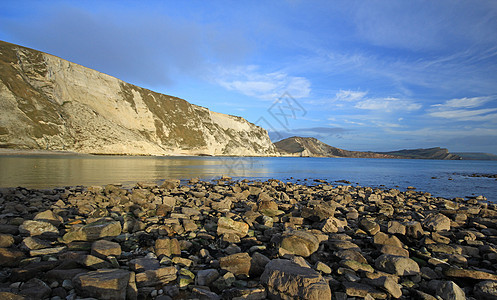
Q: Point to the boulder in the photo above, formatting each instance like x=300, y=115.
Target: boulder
x=38, y=228
x=50, y=217
x=437, y=222
x=285, y=279
x=167, y=247
x=104, y=248
x=94, y=231
x=371, y=227
x=227, y=225
x=102, y=284
x=238, y=264
x=35, y=289
x=10, y=257
x=160, y=276
x=298, y=242
x=448, y=290
x=486, y=290
x=397, y=265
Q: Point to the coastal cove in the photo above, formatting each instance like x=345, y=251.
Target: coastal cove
x=441, y=178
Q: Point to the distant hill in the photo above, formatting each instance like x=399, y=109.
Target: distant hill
x=312, y=147
x=476, y=156
x=430, y=153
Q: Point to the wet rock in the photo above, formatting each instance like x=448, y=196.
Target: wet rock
x=104, y=248
x=167, y=247
x=285, y=279
x=448, y=290
x=102, y=284
x=300, y=243
x=397, y=265
x=94, y=231
x=437, y=222
x=238, y=264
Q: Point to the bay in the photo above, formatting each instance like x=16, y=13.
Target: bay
x=447, y=179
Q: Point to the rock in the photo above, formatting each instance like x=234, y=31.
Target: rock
x=33, y=243
x=48, y=251
x=268, y=208
x=104, y=248
x=224, y=204
x=258, y=264
x=397, y=265
x=322, y=267
x=394, y=250
x=10, y=257
x=205, y=294
x=6, y=240
x=300, y=243
x=102, y=284
x=388, y=284
x=285, y=279
x=437, y=222
x=38, y=228
x=395, y=227
x=356, y=266
x=238, y=264
x=167, y=247
x=384, y=239
x=486, y=290
x=94, y=262
x=369, y=226
x=206, y=277
x=473, y=274
x=170, y=184
x=414, y=230
x=160, y=276
x=448, y=290
x=319, y=212
x=11, y=296
x=35, y=289
x=227, y=225
x=94, y=231
x=50, y=217
x=354, y=289
x=143, y=264
x=352, y=255
x=332, y=225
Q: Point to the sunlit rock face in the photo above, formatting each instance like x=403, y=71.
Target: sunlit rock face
x=53, y=104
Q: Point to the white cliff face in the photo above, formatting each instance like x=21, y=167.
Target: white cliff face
x=50, y=103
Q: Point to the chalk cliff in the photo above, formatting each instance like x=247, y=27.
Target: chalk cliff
x=53, y=104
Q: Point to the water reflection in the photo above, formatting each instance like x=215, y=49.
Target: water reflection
x=42, y=171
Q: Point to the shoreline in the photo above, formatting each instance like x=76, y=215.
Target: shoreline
x=244, y=239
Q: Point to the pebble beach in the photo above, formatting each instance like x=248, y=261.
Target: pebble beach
x=245, y=239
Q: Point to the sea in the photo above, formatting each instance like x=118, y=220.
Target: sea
x=448, y=179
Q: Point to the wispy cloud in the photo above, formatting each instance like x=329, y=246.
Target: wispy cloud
x=250, y=81
x=465, y=102
x=462, y=109
x=348, y=95
x=388, y=104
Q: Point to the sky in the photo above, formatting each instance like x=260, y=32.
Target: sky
x=358, y=75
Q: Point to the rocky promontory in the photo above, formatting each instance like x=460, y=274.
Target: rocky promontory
x=245, y=240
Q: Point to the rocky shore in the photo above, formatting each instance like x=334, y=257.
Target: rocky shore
x=245, y=240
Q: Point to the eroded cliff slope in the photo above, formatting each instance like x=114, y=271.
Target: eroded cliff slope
x=50, y=103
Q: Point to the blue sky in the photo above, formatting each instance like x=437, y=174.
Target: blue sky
x=359, y=75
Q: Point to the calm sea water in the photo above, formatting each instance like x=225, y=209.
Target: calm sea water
x=441, y=178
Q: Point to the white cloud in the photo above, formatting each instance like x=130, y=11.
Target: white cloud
x=387, y=104
x=250, y=81
x=466, y=102
x=348, y=95
x=466, y=115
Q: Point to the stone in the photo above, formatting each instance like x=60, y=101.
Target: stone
x=227, y=225
x=322, y=267
x=206, y=277
x=395, y=227
x=170, y=184
x=204, y=294
x=394, y=250
x=356, y=266
x=35, y=289
x=224, y=204
x=257, y=264
x=94, y=231
x=437, y=222
x=384, y=239
x=102, y=284
x=167, y=247
x=104, y=248
x=354, y=289
x=397, y=265
x=472, y=274
x=10, y=257
x=352, y=255
x=448, y=290
x=332, y=225
x=371, y=227
x=414, y=230
x=160, y=276
x=33, y=243
x=486, y=290
x=11, y=296
x=300, y=243
x=94, y=262
x=319, y=212
x=388, y=284
x=6, y=240
x=38, y=228
x=285, y=279
x=50, y=217
x=143, y=264
x=48, y=251
x=238, y=264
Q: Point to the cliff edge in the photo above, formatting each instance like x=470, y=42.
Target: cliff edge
x=52, y=104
